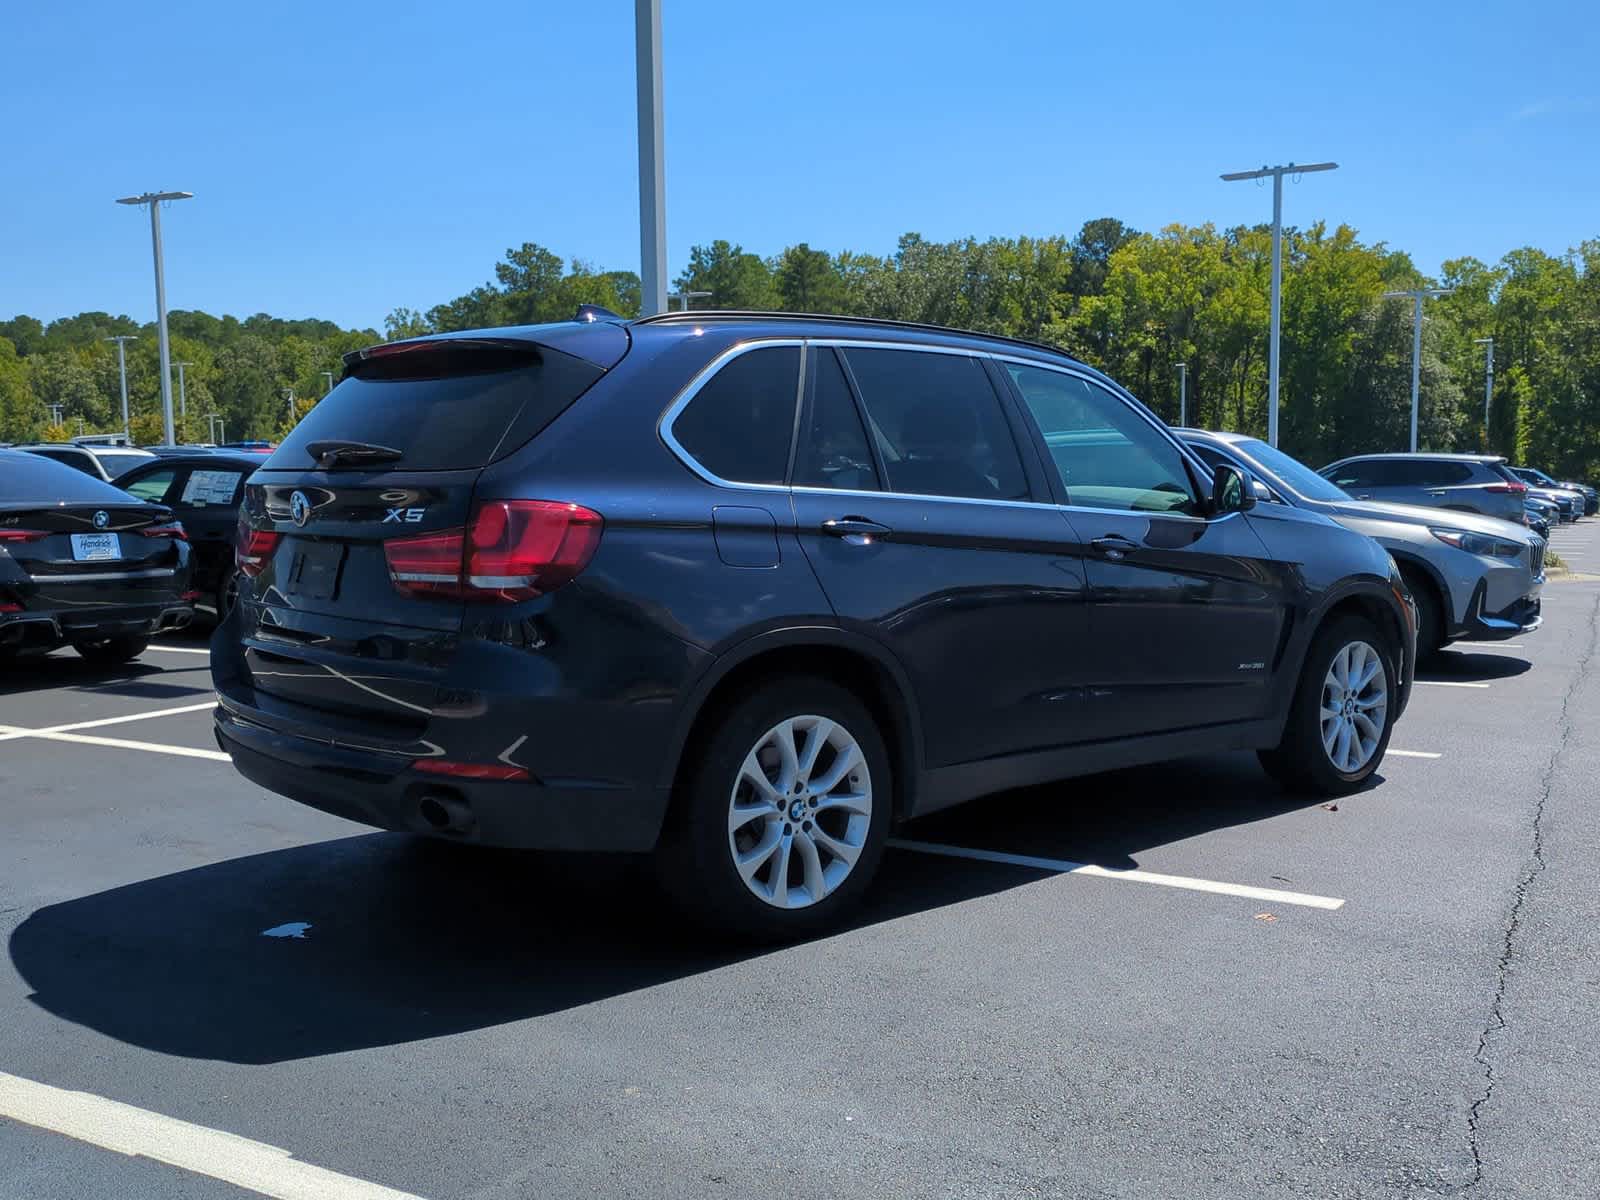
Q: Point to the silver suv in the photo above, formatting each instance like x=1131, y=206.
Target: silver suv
x=1471, y=482
x=1472, y=577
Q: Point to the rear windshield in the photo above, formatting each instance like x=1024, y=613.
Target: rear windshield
x=442, y=411
x=120, y=464
x=35, y=479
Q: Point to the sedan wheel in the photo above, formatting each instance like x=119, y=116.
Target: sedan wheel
x=800, y=811
x=1355, y=707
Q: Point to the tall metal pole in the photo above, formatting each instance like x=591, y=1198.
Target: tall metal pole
x=1277, y=323
x=328, y=375
x=652, y=173
x=1277, y=174
x=1488, y=384
x=154, y=200
x=183, y=393
x=122, y=370
x=1418, y=295
x=1183, y=394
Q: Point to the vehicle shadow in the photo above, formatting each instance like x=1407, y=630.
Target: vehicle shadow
x=141, y=679
x=1469, y=666
x=409, y=939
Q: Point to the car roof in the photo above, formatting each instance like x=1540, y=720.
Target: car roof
x=208, y=458
x=1216, y=435
x=1430, y=456
x=603, y=340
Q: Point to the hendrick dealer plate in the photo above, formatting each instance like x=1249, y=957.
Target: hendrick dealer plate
x=89, y=547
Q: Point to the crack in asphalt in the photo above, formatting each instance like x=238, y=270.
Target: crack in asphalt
x=1508, y=948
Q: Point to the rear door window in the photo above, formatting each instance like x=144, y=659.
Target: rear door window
x=739, y=425
x=152, y=486
x=444, y=407
x=833, y=450
x=1107, y=455
x=938, y=425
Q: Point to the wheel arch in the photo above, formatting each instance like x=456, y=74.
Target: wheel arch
x=849, y=659
x=1411, y=564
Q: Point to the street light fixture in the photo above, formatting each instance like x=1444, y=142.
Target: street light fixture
x=328, y=375
x=1488, y=383
x=1183, y=394
x=684, y=299
x=155, y=200
x=1277, y=174
x=1418, y=295
x=122, y=369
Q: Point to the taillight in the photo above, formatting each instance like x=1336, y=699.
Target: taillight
x=172, y=530
x=1507, y=489
x=512, y=550
x=469, y=770
x=21, y=535
x=253, y=548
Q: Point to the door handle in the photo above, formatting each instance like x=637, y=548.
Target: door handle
x=1114, y=545
x=858, y=531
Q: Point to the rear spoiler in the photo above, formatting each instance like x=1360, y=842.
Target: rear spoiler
x=599, y=342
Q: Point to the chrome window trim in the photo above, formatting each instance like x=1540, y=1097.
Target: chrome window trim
x=692, y=389
x=706, y=373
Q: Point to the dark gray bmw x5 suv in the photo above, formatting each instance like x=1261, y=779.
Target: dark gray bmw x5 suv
x=746, y=590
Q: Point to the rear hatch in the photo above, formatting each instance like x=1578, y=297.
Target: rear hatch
x=353, y=536
x=87, y=558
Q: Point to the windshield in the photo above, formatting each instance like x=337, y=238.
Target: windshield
x=1289, y=472
x=116, y=463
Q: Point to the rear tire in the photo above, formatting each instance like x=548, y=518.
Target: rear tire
x=226, y=595
x=781, y=812
x=110, y=651
x=1305, y=760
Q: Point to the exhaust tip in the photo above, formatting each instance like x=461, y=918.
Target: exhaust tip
x=445, y=812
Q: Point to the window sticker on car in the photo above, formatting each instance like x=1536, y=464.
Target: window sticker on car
x=211, y=487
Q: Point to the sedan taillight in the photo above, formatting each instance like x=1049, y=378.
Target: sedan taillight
x=21, y=535
x=511, y=550
x=173, y=529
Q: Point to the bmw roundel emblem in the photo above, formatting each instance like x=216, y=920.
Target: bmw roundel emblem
x=299, y=508
x=102, y=519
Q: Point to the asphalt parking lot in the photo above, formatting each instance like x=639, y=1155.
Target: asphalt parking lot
x=1246, y=994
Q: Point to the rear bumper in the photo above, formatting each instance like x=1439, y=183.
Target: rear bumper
x=381, y=790
x=47, y=630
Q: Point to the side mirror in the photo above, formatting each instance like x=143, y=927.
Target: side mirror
x=1229, y=491
x=1262, y=491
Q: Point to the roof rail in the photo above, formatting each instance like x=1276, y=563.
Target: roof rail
x=837, y=318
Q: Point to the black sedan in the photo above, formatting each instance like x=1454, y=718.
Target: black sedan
x=203, y=488
x=84, y=563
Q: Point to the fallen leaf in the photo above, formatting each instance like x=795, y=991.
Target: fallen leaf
x=1331, y=807
x=1265, y=917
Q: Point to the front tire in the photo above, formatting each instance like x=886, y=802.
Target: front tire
x=110, y=651
x=1342, y=712
x=1430, y=615
x=781, y=813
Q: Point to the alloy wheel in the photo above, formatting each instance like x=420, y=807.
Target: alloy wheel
x=1355, y=706
x=800, y=811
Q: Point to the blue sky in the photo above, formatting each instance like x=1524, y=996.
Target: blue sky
x=348, y=157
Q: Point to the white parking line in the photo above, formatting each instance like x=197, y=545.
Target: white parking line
x=1474, y=647
x=138, y=1133
x=16, y=731
x=179, y=649
x=8, y=732
x=1063, y=866
x=1450, y=683
x=1393, y=753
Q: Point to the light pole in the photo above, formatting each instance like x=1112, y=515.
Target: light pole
x=1418, y=295
x=652, y=171
x=289, y=392
x=122, y=369
x=214, y=428
x=1488, y=384
x=55, y=413
x=1277, y=174
x=684, y=299
x=328, y=375
x=155, y=200
x=1183, y=394
x=183, y=392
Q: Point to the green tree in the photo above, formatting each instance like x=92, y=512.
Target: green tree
x=734, y=278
